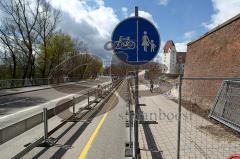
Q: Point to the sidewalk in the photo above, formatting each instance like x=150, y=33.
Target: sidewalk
x=33, y=88
x=160, y=140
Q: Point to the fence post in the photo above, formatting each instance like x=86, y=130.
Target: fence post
x=45, y=123
x=130, y=123
x=73, y=105
x=95, y=92
x=88, y=99
x=179, y=115
x=100, y=93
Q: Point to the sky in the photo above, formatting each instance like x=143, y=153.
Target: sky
x=179, y=20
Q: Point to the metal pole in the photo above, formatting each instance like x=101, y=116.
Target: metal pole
x=95, y=94
x=130, y=123
x=136, y=143
x=45, y=123
x=88, y=99
x=136, y=115
x=73, y=105
x=179, y=115
x=136, y=11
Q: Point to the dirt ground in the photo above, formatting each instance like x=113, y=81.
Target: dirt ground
x=218, y=129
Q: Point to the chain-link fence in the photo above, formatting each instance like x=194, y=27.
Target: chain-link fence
x=201, y=136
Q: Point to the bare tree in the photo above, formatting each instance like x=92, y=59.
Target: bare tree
x=46, y=24
x=80, y=46
x=21, y=18
x=6, y=41
x=154, y=70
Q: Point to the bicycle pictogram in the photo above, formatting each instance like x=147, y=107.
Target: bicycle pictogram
x=123, y=43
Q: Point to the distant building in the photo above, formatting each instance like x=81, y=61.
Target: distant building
x=169, y=58
x=173, y=60
x=181, y=58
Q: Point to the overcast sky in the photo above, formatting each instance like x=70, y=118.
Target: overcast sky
x=179, y=20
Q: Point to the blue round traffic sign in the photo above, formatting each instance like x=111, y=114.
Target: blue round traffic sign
x=135, y=41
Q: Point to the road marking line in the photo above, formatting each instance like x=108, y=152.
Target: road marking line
x=15, y=101
x=91, y=139
x=86, y=148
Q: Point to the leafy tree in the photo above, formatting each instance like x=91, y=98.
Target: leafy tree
x=60, y=47
x=154, y=70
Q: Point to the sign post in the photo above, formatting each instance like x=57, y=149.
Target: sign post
x=136, y=143
x=135, y=41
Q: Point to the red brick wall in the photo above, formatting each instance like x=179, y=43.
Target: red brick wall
x=215, y=55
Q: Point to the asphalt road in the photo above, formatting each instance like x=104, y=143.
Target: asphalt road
x=102, y=138
x=11, y=104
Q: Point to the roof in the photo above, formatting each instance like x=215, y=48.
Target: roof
x=169, y=44
x=181, y=57
x=216, y=28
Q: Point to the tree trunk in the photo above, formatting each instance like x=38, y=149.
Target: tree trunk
x=26, y=70
x=32, y=75
x=14, y=67
x=14, y=70
x=45, y=61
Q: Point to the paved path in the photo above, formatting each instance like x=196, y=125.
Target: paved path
x=199, y=137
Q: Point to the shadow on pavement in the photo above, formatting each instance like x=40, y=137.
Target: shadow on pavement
x=90, y=115
x=152, y=146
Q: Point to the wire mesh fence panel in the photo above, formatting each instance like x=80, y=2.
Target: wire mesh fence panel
x=226, y=107
x=201, y=136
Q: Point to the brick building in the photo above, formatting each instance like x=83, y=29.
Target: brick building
x=215, y=54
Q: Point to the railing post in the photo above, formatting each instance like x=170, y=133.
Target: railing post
x=179, y=115
x=95, y=92
x=45, y=123
x=103, y=90
x=73, y=105
x=88, y=98
x=100, y=92
x=130, y=123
